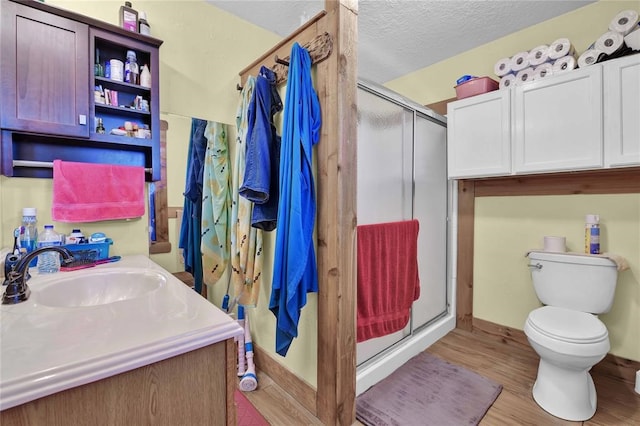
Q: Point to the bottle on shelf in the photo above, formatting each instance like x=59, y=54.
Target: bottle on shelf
x=100, y=126
x=143, y=25
x=131, y=70
x=128, y=17
x=49, y=262
x=145, y=76
x=29, y=237
x=75, y=237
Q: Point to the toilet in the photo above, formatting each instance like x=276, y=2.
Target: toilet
x=566, y=332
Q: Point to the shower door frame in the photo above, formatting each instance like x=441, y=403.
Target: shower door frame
x=391, y=357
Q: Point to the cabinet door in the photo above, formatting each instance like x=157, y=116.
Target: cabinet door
x=622, y=111
x=479, y=136
x=558, y=122
x=45, y=72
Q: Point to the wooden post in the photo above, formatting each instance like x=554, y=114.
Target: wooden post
x=336, y=196
x=464, y=297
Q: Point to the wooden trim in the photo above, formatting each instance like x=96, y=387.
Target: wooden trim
x=612, y=365
x=608, y=181
x=464, y=295
x=162, y=243
x=231, y=381
x=283, y=48
x=300, y=390
x=499, y=332
x=441, y=106
x=159, y=247
x=336, y=228
x=336, y=84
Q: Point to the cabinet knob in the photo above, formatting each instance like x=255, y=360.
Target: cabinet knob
x=82, y=120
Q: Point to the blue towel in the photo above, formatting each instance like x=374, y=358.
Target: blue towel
x=190, y=236
x=294, y=269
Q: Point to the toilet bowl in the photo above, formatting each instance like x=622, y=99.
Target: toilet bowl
x=566, y=333
x=569, y=343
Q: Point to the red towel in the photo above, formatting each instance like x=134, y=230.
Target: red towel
x=388, y=281
x=85, y=192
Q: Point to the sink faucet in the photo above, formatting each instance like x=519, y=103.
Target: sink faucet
x=17, y=289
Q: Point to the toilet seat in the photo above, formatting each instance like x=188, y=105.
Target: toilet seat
x=567, y=326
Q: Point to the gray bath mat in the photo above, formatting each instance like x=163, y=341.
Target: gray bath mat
x=427, y=391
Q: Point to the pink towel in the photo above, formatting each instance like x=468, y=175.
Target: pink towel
x=388, y=281
x=85, y=192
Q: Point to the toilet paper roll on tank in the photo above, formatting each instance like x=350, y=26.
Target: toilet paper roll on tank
x=555, y=244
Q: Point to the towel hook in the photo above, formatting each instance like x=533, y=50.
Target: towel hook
x=281, y=61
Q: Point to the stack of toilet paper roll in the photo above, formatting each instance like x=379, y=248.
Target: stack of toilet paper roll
x=622, y=37
x=537, y=63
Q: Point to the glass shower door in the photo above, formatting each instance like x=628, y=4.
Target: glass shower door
x=385, y=140
x=401, y=176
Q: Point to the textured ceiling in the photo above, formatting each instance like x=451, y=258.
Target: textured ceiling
x=397, y=37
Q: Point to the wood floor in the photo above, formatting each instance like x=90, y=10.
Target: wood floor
x=511, y=364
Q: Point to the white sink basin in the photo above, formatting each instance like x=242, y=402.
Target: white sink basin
x=98, y=288
x=81, y=326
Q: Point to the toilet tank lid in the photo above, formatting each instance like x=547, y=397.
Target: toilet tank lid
x=571, y=257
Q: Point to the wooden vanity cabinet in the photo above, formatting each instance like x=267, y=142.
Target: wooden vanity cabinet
x=194, y=388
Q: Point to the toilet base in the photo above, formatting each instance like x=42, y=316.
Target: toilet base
x=565, y=393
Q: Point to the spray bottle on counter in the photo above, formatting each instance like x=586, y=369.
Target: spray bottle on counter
x=592, y=234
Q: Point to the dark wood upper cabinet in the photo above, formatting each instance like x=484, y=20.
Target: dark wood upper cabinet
x=48, y=102
x=45, y=75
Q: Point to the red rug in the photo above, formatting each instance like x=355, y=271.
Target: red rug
x=246, y=413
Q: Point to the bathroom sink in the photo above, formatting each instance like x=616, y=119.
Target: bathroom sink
x=98, y=288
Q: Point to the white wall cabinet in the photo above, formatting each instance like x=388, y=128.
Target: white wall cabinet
x=557, y=123
x=622, y=112
x=479, y=135
x=584, y=119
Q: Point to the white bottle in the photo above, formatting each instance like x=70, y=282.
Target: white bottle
x=145, y=76
x=75, y=237
x=49, y=261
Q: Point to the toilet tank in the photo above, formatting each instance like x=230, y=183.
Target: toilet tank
x=578, y=282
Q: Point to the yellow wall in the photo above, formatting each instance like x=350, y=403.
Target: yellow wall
x=506, y=227
x=204, y=49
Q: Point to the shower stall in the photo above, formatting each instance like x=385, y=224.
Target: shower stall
x=402, y=175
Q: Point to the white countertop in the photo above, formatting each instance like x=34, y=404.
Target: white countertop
x=44, y=350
